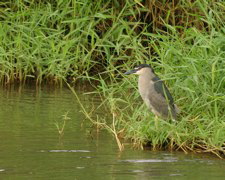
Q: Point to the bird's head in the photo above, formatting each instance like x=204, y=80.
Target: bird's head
x=139, y=69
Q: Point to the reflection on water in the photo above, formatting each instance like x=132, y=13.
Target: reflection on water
x=31, y=148
x=67, y=151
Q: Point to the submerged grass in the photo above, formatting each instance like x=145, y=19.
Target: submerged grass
x=98, y=40
x=61, y=125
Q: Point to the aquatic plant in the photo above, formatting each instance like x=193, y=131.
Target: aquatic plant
x=60, y=125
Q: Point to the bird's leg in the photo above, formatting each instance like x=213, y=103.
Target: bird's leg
x=156, y=122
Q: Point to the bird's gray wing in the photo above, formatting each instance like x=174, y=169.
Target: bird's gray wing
x=161, y=99
x=161, y=89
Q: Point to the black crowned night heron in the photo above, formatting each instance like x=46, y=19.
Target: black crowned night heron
x=154, y=92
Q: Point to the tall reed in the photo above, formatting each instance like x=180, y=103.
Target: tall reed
x=56, y=40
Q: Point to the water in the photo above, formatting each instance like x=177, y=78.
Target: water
x=31, y=148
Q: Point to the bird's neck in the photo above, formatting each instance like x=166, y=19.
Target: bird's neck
x=144, y=82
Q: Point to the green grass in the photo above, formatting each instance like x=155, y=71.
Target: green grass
x=56, y=41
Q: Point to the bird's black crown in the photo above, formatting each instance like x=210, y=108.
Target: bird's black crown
x=140, y=66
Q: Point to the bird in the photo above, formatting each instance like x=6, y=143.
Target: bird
x=154, y=92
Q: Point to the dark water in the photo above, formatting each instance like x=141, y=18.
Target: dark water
x=31, y=148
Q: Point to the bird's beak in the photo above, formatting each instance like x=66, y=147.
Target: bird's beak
x=130, y=72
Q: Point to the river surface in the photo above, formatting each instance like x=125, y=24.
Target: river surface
x=31, y=147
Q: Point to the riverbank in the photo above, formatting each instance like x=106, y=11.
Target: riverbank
x=66, y=41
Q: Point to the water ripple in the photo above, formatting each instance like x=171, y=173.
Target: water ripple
x=148, y=160
x=58, y=151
